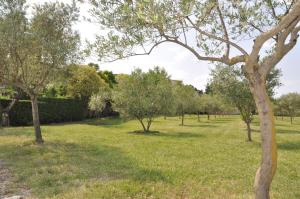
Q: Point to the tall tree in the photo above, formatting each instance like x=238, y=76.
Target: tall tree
x=33, y=49
x=211, y=31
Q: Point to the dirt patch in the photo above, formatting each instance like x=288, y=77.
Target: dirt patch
x=7, y=189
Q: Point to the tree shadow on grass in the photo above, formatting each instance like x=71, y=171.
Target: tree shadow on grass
x=171, y=135
x=291, y=146
x=285, y=131
x=107, y=121
x=19, y=131
x=200, y=125
x=58, y=166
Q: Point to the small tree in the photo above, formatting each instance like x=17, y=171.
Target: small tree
x=186, y=97
x=34, y=49
x=143, y=95
x=98, y=101
x=290, y=104
x=209, y=104
x=279, y=108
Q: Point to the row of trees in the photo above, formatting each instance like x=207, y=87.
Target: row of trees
x=287, y=105
x=146, y=95
x=211, y=31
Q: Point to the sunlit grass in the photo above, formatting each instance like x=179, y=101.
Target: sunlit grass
x=106, y=158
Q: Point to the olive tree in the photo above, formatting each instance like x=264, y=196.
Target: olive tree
x=230, y=83
x=212, y=31
x=35, y=47
x=143, y=95
x=186, y=97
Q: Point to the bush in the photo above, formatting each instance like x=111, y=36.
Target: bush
x=52, y=110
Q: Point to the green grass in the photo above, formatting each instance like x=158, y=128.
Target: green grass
x=106, y=158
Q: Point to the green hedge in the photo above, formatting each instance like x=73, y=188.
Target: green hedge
x=51, y=110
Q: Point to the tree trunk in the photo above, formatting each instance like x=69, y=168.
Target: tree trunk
x=182, y=119
x=142, y=123
x=36, y=120
x=198, y=116
x=291, y=120
x=249, y=131
x=208, y=116
x=165, y=117
x=267, y=169
x=148, y=125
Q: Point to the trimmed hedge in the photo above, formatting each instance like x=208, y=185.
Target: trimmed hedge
x=51, y=110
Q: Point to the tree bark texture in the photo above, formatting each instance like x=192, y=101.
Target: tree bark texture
x=267, y=169
x=36, y=120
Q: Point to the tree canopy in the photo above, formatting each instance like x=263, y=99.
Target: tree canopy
x=143, y=95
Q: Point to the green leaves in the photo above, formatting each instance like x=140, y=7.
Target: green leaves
x=144, y=95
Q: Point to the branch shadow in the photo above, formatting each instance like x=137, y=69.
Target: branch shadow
x=106, y=121
x=200, y=125
x=171, y=135
x=19, y=131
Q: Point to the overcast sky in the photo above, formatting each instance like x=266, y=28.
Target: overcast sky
x=179, y=62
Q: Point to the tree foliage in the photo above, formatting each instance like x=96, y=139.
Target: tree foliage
x=143, y=95
x=289, y=105
x=84, y=82
x=186, y=97
x=35, y=47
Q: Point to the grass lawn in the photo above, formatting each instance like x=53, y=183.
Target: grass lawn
x=106, y=158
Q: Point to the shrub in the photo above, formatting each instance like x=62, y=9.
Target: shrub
x=52, y=110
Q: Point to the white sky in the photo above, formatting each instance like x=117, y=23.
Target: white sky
x=179, y=62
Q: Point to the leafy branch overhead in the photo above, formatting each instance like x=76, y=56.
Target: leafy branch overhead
x=211, y=30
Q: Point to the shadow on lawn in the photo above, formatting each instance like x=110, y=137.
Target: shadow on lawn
x=171, y=135
x=285, y=131
x=106, y=121
x=289, y=146
x=200, y=125
x=20, y=131
x=58, y=166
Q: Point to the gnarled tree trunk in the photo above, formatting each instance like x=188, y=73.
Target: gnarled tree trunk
x=36, y=120
x=267, y=169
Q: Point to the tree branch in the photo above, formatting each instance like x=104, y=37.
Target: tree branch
x=217, y=38
x=224, y=28
x=283, y=24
